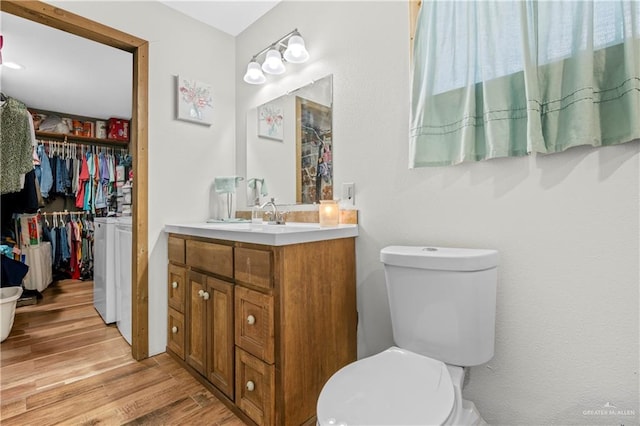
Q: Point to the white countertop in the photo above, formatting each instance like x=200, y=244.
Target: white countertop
x=273, y=235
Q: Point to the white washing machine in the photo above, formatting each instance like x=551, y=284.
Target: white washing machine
x=104, y=258
x=123, y=243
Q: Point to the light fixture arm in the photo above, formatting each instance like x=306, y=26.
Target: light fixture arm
x=279, y=44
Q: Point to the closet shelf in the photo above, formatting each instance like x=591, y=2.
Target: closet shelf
x=80, y=139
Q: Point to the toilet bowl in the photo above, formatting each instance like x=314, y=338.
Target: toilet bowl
x=8, y=299
x=442, y=305
x=396, y=387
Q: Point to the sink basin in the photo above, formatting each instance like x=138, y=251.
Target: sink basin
x=264, y=226
x=264, y=233
x=227, y=225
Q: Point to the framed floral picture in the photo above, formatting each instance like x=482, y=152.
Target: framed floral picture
x=195, y=101
x=270, y=121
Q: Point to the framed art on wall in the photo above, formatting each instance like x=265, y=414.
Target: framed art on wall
x=271, y=121
x=195, y=101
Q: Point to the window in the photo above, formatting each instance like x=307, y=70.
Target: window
x=505, y=78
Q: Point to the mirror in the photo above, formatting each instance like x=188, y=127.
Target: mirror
x=290, y=146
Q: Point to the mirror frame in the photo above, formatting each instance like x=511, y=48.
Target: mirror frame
x=55, y=17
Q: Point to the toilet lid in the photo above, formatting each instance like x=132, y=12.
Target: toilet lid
x=394, y=387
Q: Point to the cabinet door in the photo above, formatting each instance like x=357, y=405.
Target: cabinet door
x=175, y=335
x=210, y=257
x=177, y=285
x=176, y=249
x=254, y=323
x=253, y=267
x=255, y=388
x=220, y=347
x=196, y=322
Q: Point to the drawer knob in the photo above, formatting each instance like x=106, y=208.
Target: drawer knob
x=174, y=329
x=201, y=293
x=174, y=284
x=250, y=386
x=205, y=296
x=251, y=320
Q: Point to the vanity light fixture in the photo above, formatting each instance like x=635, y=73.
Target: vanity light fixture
x=290, y=47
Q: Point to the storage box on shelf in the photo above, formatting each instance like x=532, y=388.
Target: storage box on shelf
x=82, y=129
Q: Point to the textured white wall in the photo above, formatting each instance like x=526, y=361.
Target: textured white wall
x=184, y=157
x=566, y=225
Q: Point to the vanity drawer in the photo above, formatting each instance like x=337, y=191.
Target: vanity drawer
x=254, y=326
x=255, y=388
x=177, y=285
x=210, y=257
x=175, y=332
x=176, y=249
x=253, y=267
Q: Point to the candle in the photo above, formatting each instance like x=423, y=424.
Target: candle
x=329, y=213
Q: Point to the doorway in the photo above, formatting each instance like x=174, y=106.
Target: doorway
x=52, y=16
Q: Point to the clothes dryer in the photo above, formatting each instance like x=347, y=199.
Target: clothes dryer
x=124, y=239
x=104, y=279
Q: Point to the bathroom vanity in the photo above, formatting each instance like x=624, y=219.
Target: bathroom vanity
x=263, y=315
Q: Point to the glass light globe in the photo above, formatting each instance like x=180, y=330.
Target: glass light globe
x=296, y=53
x=254, y=74
x=273, y=63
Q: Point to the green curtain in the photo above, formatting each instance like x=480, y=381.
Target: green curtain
x=506, y=78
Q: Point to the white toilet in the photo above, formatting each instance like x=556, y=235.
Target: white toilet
x=442, y=303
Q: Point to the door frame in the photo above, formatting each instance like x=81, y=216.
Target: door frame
x=55, y=17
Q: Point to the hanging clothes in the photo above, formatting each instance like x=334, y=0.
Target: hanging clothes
x=43, y=171
x=102, y=173
x=64, y=243
x=71, y=237
x=54, y=172
x=76, y=174
x=88, y=191
x=95, y=182
x=112, y=173
x=86, y=272
x=74, y=267
x=83, y=178
x=16, y=141
x=84, y=172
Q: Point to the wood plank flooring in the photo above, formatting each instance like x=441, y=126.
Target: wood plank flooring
x=62, y=365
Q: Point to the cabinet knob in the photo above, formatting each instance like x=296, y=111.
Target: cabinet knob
x=174, y=284
x=250, y=386
x=206, y=295
x=201, y=293
x=174, y=329
x=251, y=320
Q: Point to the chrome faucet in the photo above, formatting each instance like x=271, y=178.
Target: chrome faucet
x=275, y=217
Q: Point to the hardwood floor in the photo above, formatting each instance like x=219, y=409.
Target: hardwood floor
x=62, y=365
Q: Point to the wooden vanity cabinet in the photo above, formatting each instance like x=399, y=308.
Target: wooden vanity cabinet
x=286, y=316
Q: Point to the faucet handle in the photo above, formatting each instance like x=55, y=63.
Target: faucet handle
x=281, y=217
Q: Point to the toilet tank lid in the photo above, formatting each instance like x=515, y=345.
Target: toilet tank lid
x=439, y=258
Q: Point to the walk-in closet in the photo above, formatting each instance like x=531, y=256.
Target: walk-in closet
x=67, y=170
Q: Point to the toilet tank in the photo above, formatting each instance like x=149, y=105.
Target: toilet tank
x=443, y=301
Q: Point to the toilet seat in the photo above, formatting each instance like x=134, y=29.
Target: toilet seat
x=394, y=387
